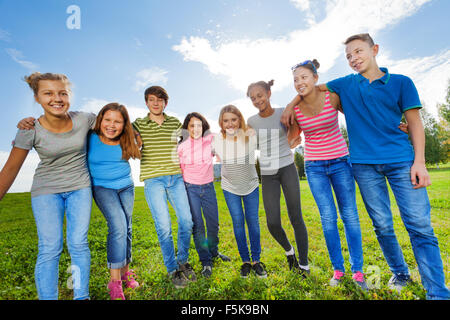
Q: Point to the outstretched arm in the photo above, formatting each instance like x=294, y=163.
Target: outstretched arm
x=419, y=173
x=11, y=169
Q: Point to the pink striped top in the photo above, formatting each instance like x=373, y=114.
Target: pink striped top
x=323, y=138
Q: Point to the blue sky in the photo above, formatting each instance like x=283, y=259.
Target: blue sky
x=205, y=53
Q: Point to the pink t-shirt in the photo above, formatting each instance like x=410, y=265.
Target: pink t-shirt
x=196, y=160
x=323, y=138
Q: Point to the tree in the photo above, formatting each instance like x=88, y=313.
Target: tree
x=436, y=150
x=345, y=134
x=300, y=164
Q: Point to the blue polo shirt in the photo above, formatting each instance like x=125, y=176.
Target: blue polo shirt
x=373, y=112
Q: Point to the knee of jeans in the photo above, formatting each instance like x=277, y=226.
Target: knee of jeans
x=118, y=231
x=50, y=250
x=78, y=247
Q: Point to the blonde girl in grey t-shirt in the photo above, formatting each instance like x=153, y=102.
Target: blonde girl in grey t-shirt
x=61, y=183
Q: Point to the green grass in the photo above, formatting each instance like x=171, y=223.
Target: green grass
x=18, y=249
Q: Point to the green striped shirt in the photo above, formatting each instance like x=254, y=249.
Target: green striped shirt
x=159, y=147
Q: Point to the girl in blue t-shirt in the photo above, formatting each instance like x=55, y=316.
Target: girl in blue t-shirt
x=110, y=145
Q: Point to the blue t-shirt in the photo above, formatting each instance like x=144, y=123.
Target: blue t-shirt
x=373, y=112
x=106, y=166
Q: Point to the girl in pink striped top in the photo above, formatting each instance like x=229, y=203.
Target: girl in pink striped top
x=327, y=167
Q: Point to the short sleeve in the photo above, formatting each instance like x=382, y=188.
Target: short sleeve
x=24, y=139
x=136, y=125
x=91, y=120
x=337, y=85
x=409, y=97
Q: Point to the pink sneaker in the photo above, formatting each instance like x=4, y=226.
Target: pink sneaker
x=115, y=290
x=358, y=278
x=128, y=277
x=337, y=278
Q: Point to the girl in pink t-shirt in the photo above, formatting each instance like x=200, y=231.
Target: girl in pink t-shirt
x=196, y=162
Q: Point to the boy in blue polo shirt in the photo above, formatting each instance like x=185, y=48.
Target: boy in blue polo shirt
x=373, y=102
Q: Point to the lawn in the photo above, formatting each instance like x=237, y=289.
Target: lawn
x=18, y=249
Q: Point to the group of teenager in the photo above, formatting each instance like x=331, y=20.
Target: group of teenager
x=84, y=156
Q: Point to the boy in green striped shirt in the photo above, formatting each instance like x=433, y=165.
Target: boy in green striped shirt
x=161, y=173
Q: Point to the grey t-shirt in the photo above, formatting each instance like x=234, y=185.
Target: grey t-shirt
x=63, y=165
x=273, y=144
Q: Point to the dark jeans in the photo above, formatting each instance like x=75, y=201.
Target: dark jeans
x=286, y=178
x=202, y=198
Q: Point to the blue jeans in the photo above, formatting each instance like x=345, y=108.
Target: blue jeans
x=116, y=206
x=323, y=175
x=414, y=208
x=204, y=197
x=251, y=206
x=48, y=211
x=157, y=191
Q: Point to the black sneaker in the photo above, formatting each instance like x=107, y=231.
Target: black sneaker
x=221, y=257
x=245, y=269
x=188, y=272
x=304, y=273
x=206, y=271
x=178, y=279
x=293, y=262
x=260, y=270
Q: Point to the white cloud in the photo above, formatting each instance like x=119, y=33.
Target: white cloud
x=18, y=57
x=244, y=61
x=150, y=76
x=5, y=35
x=430, y=75
x=24, y=179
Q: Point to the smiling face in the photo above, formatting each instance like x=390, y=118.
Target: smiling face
x=361, y=56
x=230, y=123
x=112, y=124
x=155, y=104
x=195, y=128
x=304, y=81
x=260, y=98
x=54, y=97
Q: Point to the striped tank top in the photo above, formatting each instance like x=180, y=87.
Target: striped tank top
x=323, y=138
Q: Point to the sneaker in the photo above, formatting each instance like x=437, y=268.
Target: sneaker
x=221, y=257
x=206, y=271
x=178, y=279
x=115, y=290
x=260, y=269
x=188, y=272
x=245, y=269
x=337, y=278
x=130, y=282
x=358, y=278
x=293, y=262
x=399, y=281
x=304, y=273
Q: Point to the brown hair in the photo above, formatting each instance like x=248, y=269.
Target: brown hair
x=311, y=65
x=361, y=36
x=158, y=91
x=205, y=124
x=265, y=85
x=232, y=109
x=127, y=142
x=34, y=78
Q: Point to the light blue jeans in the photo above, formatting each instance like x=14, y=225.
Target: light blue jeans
x=322, y=175
x=48, y=211
x=116, y=206
x=157, y=191
x=414, y=207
